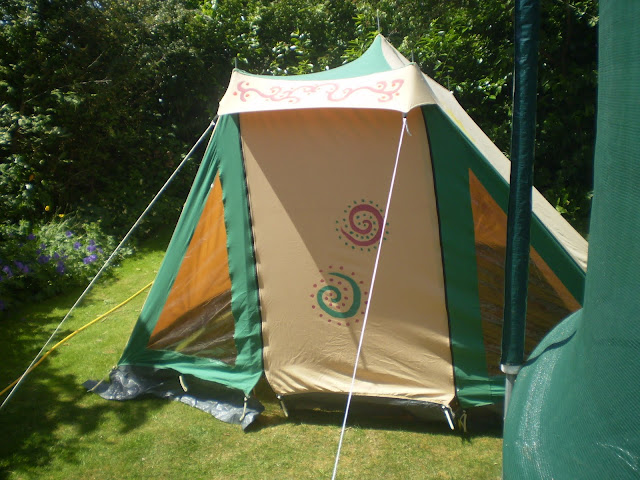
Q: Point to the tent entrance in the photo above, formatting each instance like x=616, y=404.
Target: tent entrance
x=317, y=201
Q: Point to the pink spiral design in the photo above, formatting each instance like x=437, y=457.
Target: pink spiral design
x=364, y=227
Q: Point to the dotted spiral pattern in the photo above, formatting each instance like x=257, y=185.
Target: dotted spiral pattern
x=361, y=227
x=338, y=297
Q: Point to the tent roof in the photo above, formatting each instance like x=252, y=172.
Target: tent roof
x=381, y=78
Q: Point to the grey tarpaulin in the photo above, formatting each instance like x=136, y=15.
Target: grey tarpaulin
x=223, y=403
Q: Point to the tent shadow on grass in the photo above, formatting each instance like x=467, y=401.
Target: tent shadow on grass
x=35, y=426
x=405, y=423
x=33, y=423
x=482, y=424
x=50, y=411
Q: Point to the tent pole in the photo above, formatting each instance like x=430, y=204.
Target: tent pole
x=527, y=25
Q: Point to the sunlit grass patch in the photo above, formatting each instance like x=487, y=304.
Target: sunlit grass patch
x=53, y=429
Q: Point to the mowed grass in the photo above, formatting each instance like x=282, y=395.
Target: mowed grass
x=53, y=429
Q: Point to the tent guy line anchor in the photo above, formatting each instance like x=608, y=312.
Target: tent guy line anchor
x=373, y=281
x=111, y=257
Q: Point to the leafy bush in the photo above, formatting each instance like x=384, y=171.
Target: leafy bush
x=101, y=98
x=41, y=261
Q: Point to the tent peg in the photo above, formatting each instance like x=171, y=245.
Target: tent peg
x=183, y=383
x=449, y=416
x=244, y=409
x=282, y=405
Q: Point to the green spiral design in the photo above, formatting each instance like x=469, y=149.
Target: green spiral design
x=355, y=305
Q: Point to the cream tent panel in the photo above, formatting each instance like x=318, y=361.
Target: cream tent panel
x=402, y=89
x=318, y=182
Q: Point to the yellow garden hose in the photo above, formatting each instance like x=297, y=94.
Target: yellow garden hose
x=74, y=334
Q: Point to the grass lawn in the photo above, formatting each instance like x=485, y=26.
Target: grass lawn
x=53, y=429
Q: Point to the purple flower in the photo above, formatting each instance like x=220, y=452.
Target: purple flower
x=77, y=245
x=91, y=247
x=8, y=271
x=69, y=233
x=43, y=246
x=24, y=268
x=60, y=267
x=56, y=256
x=44, y=259
x=89, y=259
x=31, y=236
x=92, y=242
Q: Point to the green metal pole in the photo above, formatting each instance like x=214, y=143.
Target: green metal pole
x=527, y=26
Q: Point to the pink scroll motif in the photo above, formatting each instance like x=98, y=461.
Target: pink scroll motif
x=383, y=89
x=372, y=231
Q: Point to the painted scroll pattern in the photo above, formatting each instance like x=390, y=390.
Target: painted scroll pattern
x=362, y=225
x=338, y=297
x=384, y=91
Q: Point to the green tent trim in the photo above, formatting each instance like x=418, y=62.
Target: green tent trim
x=370, y=62
x=453, y=155
x=247, y=370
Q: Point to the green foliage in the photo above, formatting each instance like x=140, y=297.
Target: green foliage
x=470, y=51
x=41, y=261
x=285, y=37
x=566, y=107
x=101, y=98
x=99, y=101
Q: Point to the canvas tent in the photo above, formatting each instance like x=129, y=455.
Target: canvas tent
x=269, y=269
